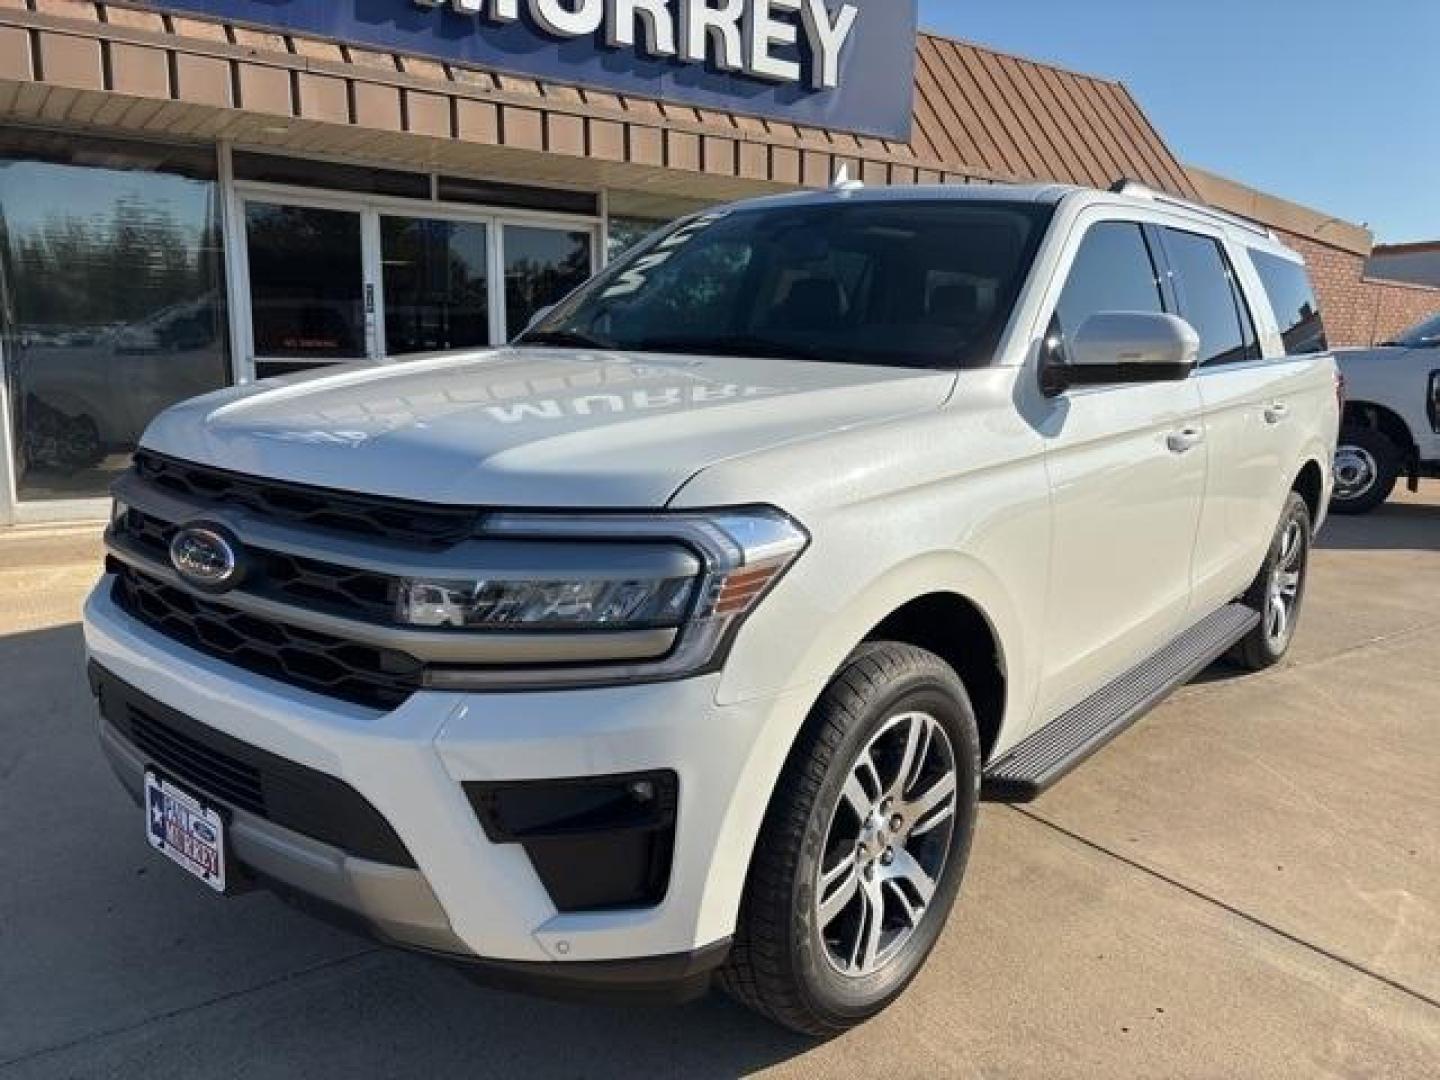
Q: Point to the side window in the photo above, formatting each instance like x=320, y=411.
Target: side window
x=1113, y=271
x=1210, y=299
x=1292, y=298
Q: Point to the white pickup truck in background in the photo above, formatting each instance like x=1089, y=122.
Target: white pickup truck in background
x=1391, y=426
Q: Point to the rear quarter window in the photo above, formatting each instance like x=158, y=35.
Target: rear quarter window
x=1292, y=298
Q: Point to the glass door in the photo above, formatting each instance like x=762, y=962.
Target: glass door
x=308, y=294
x=335, y=277
x=436, y=284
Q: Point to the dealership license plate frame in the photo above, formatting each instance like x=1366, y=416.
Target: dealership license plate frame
x=182, y=808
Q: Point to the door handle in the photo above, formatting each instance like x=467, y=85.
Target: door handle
x=1184, y=440
x=1277, y=412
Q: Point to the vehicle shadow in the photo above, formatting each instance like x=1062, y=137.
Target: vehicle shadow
x=1396, y=526
x=116, y=964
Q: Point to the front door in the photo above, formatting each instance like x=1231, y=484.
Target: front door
x=1127, y=468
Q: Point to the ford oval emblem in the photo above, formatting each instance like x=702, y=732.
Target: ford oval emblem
x=204, y=557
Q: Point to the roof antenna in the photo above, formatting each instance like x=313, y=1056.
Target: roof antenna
x=843, y=182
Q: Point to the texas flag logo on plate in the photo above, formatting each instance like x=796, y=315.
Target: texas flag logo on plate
x=190, y=833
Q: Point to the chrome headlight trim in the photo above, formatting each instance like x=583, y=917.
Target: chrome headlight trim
x=744, y=551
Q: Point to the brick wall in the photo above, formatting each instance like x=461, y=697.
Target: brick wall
x=1360, y=310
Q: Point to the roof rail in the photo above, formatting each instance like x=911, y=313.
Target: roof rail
x=1138, y=190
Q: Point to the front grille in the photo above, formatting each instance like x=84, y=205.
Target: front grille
x=379, y=678
x=413, y=524
x=343, y=590
x=340, y=590
x=235, y=774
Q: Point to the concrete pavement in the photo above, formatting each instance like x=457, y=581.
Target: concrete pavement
x=1246, y=884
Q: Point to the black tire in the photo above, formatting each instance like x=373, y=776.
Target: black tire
x=1375, y=460
x=1262, y=647
x=780, y=964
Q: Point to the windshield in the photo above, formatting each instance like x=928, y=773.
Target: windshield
x=1425, y=335
x=901, y=284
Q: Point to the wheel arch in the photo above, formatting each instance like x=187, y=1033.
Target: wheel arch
x=957, y=630
x=1381, y=418
x=1310, y=483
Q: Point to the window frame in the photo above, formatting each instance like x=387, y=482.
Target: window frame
x=15, y=510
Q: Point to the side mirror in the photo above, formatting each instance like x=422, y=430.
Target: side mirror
x=1113, y=347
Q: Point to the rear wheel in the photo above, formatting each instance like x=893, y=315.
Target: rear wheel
x=1367, y=464
x=863, y=847
x=1278, y=590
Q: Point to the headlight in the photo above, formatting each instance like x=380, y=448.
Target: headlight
x=677, y=585
x=561, y=604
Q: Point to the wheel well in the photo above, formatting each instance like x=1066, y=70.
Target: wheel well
x=955, y=630
x=1367, y=414
x=1311, y=486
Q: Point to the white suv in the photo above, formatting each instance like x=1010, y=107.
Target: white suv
x=684, y=635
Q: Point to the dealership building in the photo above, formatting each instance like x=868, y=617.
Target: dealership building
x=200, y=192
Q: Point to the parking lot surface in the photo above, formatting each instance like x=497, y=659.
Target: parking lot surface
x=1246, y=884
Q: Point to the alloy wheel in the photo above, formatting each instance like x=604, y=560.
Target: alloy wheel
x=1283, y=594
x=887, y=843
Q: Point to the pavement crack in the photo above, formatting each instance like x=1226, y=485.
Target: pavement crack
x=1240, y=913
x=194, y=1006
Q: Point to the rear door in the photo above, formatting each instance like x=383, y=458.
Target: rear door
x=1255, y=407
x=1127, y=472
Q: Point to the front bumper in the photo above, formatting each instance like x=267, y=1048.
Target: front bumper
x=465, y=896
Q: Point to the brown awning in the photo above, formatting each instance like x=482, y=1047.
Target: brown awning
x=979, y=114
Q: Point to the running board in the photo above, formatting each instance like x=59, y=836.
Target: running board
x=1047, y=755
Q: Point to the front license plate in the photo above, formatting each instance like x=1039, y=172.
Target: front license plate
x=185, y=829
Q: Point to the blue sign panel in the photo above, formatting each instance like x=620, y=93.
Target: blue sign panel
x=848, y=65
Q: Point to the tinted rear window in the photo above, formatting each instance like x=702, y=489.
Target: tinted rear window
x=1292, y=298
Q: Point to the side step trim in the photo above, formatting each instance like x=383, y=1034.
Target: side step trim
x=1049, y=753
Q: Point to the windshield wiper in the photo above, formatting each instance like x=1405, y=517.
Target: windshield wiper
x=565, y=339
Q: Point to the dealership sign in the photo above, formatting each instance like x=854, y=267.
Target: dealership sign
x=841, y=64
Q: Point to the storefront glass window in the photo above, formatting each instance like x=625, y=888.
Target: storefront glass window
x=306, y=284
x=111, y=300
x=436, y=284
x=542, y=267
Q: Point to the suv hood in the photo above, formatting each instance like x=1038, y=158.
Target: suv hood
x=531, y=427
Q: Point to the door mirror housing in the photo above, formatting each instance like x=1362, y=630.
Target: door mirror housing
x=1114, y=347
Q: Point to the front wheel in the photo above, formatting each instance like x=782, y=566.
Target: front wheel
x=1278, y=590
x=1367, y=464
x=863, y=847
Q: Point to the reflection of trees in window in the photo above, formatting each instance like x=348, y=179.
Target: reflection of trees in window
x=541, y=267
x=104, y=268
x=436, y=285
x=112, y=298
